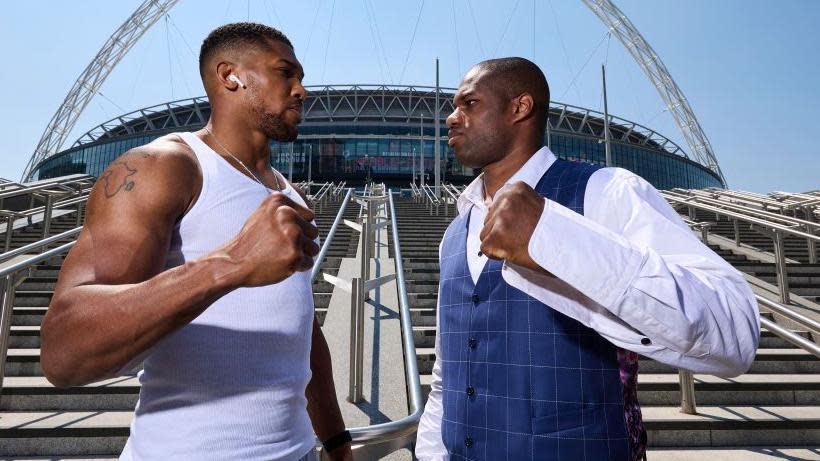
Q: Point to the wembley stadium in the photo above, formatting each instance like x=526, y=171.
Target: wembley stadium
x=355, y=132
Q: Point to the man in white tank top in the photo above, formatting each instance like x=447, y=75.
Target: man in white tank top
x=194, y=259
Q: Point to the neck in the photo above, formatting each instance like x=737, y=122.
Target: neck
x=249, y=146
x=498, y=173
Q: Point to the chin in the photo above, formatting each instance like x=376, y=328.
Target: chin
x=465, y=160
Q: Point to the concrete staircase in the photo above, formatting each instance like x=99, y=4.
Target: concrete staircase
x=776, y=404
x=39, y=420
x=771, y=410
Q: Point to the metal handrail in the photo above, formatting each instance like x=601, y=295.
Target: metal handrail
x=8, y=276
x=792, y=315
x=397, y=432
x=777, y=233
x=47, y=210
x=61, y=204
x=322, y=192
x=39, y=244
x=785, y=220
x=331, y=233
x=791, y=337
x=742, y=217
x=47, y=184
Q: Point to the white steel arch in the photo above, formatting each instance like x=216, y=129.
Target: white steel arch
x=653, y=67
x=89, y=82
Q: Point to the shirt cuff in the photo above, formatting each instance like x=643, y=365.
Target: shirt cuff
x=594, y=260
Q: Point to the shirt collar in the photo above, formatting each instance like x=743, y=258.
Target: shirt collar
x=530, y=173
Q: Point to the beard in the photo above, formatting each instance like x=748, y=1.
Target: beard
x=275, y=127
x=481, y=149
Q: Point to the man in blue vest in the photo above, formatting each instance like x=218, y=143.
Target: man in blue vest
x=555, y=275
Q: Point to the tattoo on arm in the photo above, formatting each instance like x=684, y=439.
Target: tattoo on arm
x=118, y=177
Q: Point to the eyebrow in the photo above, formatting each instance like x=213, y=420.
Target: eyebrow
x=292, y=64
x=466, y=94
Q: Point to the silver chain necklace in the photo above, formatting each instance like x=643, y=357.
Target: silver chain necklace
x=253, y=175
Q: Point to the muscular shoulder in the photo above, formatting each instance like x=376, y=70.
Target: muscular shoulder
x=163, y=173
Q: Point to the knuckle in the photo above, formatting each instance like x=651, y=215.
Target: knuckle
x=291, y=253
x=291, y=232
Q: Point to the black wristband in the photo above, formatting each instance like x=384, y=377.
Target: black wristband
x=336, y=441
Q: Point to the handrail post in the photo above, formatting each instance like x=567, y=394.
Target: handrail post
x=80, y=207
x=5, y=323
x=812, y=245
x=354, y=393
x=47, y=214
x=687, y=392
x=736, y=226
x=780, y=267
x=9, y=229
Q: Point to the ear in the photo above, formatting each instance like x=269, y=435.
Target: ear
x=223, y=70
x=522, y=107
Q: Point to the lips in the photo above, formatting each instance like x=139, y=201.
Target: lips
x=298, y=111
x=452, y=136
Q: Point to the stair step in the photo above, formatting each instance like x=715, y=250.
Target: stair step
x=763, y=453
x=35, y=393
x=732, y=426
x=61, y=433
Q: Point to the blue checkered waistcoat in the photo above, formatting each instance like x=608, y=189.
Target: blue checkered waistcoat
x=520, y=380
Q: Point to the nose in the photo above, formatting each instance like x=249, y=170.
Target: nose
x=299, y=91
x=454, y=119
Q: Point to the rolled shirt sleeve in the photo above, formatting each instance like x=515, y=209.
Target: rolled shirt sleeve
x=631, y=269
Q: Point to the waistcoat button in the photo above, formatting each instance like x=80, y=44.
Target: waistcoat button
x=476, y=299
x=470, y=391
x=468, y=441
x=472, y=343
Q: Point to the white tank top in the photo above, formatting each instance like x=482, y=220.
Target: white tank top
x=231, y=384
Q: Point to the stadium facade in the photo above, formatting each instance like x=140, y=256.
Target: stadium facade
x=352, y=131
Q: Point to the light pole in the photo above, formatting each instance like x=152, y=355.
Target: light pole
x=413, y=166
x=310, y=162
x=290, y=163
x=421, y=148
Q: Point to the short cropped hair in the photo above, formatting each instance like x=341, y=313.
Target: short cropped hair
x=238, y=34
x=514, y=76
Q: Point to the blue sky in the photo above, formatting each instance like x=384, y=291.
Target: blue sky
x=750, y=69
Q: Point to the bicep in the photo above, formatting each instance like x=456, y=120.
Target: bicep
x=131, y=215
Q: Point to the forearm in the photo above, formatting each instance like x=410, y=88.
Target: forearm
x=91, y=331
x=323, y=407
x=681, y=297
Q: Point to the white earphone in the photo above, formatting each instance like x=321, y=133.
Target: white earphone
x=234, y=78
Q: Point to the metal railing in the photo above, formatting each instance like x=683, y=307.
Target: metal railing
x=380, y=439
x=376, y=441
x=750, y=208
x=429, y=196
x=747, y=208
x=77, y=199
x=330, y=234
x=11, y=278
x=777, y=232
x=40, y=244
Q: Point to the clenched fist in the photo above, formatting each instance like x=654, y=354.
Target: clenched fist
x=276, y=241
x=510, y=223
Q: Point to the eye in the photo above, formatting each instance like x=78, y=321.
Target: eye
x=470, y=102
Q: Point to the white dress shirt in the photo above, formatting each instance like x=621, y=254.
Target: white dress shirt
x=629, y=268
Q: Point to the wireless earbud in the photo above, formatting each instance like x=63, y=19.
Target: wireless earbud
x=234, y=78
